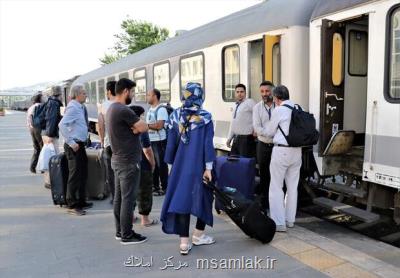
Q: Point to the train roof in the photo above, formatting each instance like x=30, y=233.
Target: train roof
x=263, y=17
x=331, y=6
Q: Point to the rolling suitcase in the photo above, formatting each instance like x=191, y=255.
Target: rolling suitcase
x=96, y=183
x=235, y=172
x=248, y=215
x=58, y=171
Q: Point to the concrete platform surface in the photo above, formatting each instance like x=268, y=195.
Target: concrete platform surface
x=38, y=239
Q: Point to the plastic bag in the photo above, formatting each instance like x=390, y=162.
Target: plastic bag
x=46, y=153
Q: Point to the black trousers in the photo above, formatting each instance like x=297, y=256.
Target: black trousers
x=110, y=180
x=244, y=145
x=144, y=196
x=183, y=221
x=127, y=178
x=37, y=147
x=264, y=152
x=77, y=177
x=160, y=174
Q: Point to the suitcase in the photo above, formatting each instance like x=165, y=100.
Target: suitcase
x=248, y=215
x=236, y=172
x=96, y=183
x=58, y=171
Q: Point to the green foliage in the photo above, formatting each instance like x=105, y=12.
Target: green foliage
x=136, y=35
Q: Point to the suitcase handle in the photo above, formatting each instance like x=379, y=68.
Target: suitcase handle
x=233, y=158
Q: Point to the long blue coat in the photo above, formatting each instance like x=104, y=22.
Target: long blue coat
x=186, y=193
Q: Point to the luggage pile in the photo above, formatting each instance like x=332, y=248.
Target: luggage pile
x=234, y=194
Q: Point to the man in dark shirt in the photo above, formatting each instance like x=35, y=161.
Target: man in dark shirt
x=124, y=128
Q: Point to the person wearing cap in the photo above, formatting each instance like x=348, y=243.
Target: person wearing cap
x=34, y=131
x=50, y=133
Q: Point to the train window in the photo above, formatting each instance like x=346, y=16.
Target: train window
x=392, y=76
x=276, y=64
x=162, y=81
x=111, y=78
x=87, y=89
x=231, y=71
x=102, y=93
x=93, y=92
x=124, y=75
x=358, y=53
x=337, y=59
x=191, y=70
x=139, y=76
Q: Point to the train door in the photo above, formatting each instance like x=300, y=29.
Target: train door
x=332, y=80
x=344, y=74
x=255, y=69
x=272, y=59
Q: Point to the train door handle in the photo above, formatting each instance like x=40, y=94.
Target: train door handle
x=329, y=108
x=333, y=95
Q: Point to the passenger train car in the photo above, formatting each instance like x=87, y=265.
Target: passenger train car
x=339, y=59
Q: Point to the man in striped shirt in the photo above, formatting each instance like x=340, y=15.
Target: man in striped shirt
x=261, y=118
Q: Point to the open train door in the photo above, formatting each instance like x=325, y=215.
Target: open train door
x=332, y=80
x=272, y=59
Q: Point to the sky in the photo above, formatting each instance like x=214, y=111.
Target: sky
x=53, y=40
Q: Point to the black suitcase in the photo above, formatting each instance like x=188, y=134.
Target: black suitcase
x=247, y=214
x=58, y=171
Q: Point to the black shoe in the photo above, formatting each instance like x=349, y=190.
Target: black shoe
x=118, y=236
x=33, y=171
x=76, y=211
x=134, y=239
x=85, y=205
x=47, y=185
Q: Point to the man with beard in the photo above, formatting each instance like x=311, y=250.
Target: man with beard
x=124, y=128
x=262, y=112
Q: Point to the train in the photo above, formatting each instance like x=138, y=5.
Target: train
x=340, y=60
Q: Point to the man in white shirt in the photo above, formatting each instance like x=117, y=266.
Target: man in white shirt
x=262, y=113
x=285, y=163
x=105, y=139
x=241, y=129
x=156, y=117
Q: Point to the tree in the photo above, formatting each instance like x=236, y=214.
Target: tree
x=136, y=36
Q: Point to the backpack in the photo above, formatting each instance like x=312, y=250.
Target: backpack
x=39, y=116
x=302, y=131
x=169, y=109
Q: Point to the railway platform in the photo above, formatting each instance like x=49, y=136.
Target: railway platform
x=38, y=239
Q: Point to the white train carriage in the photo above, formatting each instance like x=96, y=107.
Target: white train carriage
x=355, y=89
x=340, y=60
x=268, y=41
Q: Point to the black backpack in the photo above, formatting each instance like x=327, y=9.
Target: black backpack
x=167, y=107
x=302, y=131
x=39, y=116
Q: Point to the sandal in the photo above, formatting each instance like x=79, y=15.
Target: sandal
x=185, y=248
x=158, y=193
x=152, y=222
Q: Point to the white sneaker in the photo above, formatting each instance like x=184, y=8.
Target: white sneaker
x=280, y=228
x=289, y=224
x=185, y=248
x=202, y=240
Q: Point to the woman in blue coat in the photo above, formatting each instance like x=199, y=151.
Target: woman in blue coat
x=190, y=155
